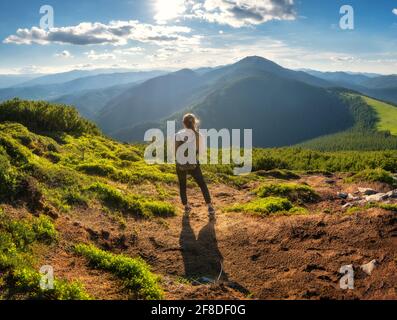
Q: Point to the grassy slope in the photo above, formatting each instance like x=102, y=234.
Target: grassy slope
x=373, y=130
x=57, y=174
x=387, y=115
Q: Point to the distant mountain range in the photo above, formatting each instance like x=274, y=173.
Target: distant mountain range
x=91, y=87
x=282, y=106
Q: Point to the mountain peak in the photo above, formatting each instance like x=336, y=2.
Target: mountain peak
x=255, y=59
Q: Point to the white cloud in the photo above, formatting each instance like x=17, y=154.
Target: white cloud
x=93, y=55
x=341, y=58
x=129, y=51
x=236, y=13
x=64, y=54
x=114, y=33
x=395, y=11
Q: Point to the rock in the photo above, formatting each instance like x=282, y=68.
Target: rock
x=377, y=197
x=369, y=267
x=392, y=194
x=367, y=191
x=347, y=205
x=353, y=197
x=330, y=181
x=342, y=195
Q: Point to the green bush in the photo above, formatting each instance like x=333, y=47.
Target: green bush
x=8, y=177
x=292, y=191
x=266, y=206
x=102, y=170
x=135, y=273
x=131, y=203
x=44, y=229
x=25, y=232
x=373, y=175
x=132, y=156
x=159, y=208
x=41, y=116
x=116, y=199
x=298, y=159
x=17, y=269
x=26, y=280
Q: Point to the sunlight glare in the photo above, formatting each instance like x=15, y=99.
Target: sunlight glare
x=169, y=9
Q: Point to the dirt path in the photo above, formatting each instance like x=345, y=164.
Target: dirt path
x=239, y=256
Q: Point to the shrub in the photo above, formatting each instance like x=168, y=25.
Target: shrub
x=102, y=170
x=268, y=163
x=7, y=176
x=159, y=208
x=15, y=151
x=132, y=156
x=373, y=175
x=267, y=206
x=44, y=229
x=27, y=280
x=292, y=191
x=16, y=260
x=25, y=232
x=40, y=116
x=131, y=203
x=116, y=199
x=135, y=273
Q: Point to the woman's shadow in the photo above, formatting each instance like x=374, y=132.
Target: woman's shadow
x=201, y=255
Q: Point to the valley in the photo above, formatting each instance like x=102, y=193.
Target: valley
x=247, y=94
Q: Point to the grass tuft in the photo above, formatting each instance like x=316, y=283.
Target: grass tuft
x=267, y=206
x=294, y=192
x=135, y=273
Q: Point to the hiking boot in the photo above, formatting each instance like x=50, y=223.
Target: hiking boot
x=211, y=210
x=188, y=209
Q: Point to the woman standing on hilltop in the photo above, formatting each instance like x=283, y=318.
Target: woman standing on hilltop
x=191, y=135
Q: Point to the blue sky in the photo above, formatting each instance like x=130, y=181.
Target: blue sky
x=174, y=34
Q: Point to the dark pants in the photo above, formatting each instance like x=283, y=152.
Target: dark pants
x=198, y=177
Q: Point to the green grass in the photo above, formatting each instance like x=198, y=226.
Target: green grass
x=18, y=271
x=384, y=206
x=28, y=280
x=387, y=115
x=373, y=175
x=131, y=204
x=294, y=192
x=268, y=206
x=134, y=273
x=278, y=174
x=374, y=124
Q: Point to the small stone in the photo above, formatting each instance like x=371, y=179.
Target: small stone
x=330, y=181
x=367, y=191
x=377, y=197
x=392, y=194
x=342, y=195
x=347, y=205
x=353, y=197
x=369, y=267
